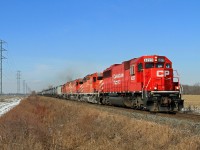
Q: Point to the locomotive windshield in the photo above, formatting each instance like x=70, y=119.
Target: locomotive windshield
x=99, y=78
x=156, y=65
x=159, y=65
x=149, y=65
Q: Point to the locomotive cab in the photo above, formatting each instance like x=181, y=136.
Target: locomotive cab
x=160, y=89
x=158, y=75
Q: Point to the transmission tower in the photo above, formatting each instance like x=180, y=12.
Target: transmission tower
x=18, y=81
x=1, y=65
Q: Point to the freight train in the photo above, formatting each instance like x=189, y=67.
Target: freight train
x=146, y=83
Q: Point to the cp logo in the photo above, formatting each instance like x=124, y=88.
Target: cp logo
x=162, y=73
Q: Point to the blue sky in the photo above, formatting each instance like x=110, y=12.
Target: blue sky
x=51, y=41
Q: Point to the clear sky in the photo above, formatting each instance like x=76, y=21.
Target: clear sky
x=51, y=41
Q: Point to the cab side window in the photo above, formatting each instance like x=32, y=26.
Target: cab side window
x=168, y=65
x=140, y=67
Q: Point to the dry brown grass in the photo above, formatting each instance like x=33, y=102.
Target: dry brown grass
x=191, y=100
x=46, y=123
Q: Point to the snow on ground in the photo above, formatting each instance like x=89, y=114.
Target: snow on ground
x=191, y=109
x=8, y=104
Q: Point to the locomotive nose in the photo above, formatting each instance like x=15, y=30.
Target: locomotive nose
x=162, y=79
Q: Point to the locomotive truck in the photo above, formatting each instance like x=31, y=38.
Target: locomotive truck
x=147, y=83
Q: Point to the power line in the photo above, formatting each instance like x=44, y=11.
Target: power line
x=1, y=65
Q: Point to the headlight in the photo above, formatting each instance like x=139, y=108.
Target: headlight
x=177, y=87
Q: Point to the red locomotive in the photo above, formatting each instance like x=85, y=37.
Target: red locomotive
x=146, y=82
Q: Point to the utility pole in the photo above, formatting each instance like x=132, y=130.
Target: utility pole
x=1, y=65
x=18, y=81
x=24, y=87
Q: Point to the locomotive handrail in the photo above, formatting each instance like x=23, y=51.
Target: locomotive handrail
x=164, y=91
x=176, y=72
x=181, y=89
x=176, y=78
x=148, y=83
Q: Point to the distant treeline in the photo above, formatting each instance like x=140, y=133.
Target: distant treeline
x=191, y=89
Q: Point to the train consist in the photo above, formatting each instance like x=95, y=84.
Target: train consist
x=146, y=82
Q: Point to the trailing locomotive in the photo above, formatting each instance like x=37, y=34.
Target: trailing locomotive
x=146, y=82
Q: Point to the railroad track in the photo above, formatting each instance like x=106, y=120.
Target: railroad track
x=186, y=123
x=178, y=115
x=188, y=116
x=129, y=112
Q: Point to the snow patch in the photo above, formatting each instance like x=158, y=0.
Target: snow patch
x=191, y=109
x=8, y=104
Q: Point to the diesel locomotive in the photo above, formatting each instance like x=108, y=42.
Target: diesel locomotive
x=146, y=83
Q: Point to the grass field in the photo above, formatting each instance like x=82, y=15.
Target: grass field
x=40, y=123
x=192, y=100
